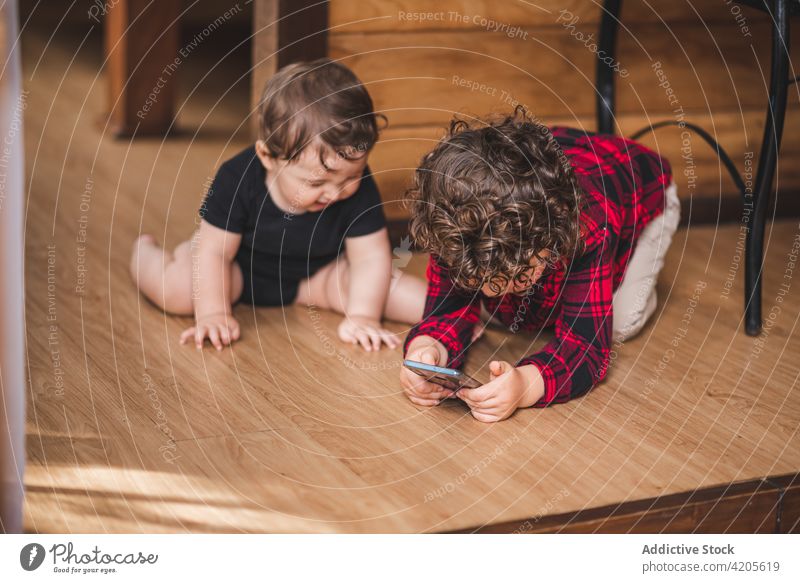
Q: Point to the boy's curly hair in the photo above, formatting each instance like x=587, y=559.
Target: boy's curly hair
x=317, y=99
x=491, y=196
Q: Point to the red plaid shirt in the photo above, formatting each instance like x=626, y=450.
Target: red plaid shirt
x=624, y=185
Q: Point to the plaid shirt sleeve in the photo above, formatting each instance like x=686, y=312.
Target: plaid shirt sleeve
x=577, y=357
x=450, y=315
x=624, y=183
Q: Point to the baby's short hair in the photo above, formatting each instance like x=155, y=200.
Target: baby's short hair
x=491, y=196
x=317, y=99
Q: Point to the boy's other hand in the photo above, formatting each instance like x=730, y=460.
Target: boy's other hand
x=417, y=389
x=367, y=332
x=508, y=389
x=221, y=329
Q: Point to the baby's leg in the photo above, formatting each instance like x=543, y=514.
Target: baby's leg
x=170, y=280
x=164, y=278
x=406, y=300
x=329, y=289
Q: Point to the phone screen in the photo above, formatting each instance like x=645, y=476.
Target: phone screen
x=448, y=378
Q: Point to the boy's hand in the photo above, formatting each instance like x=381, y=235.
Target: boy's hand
x=508, y=389
x=221, y=329
x=367, y=332
x=417, y=389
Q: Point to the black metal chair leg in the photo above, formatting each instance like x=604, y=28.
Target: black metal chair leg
x=767, y=162
x=607, y=47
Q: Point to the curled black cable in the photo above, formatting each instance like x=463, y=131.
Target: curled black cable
x=721, y=153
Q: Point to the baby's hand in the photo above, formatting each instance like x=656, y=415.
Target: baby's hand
x=367, y=332
x=221, y=328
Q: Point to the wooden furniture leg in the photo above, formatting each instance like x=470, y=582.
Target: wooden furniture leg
x=284, y=32
x=141, y=45
x=767, y=164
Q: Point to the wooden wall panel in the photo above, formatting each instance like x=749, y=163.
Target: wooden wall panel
x=420, y=71
x=398, y=152
x=423, y=77
x=397, y=15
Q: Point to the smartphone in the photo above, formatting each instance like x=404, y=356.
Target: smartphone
x=449, y=378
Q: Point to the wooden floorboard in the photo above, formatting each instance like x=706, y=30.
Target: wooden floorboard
x=292, y=432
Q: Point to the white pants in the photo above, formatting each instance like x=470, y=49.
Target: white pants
x=635, y=300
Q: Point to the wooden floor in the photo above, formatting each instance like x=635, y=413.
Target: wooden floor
x=291, y=431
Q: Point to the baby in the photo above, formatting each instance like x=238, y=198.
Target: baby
x=541, y=227
x=294, y=218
